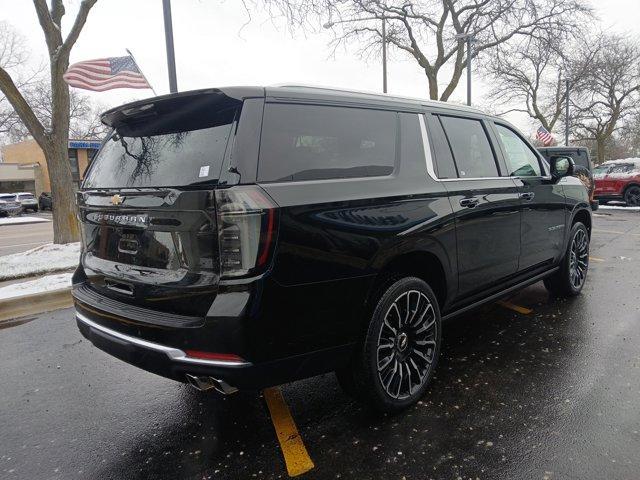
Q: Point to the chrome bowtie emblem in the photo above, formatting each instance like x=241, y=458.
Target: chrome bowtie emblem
x=116, y=199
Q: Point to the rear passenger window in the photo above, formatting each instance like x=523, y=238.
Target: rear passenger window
x=303, y=142
x=445, y=168
x=521, y=161
x=471, y=148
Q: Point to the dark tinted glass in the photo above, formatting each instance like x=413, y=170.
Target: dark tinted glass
x=471, y=149
x=303, y=142
x=445, y=168
x=521, y=160
x=177, y=158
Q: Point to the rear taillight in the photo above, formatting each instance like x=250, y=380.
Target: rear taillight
x=246, y=230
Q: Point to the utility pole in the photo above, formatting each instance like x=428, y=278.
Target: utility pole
x=384, y=55
x=566, y=113
x=171, y=56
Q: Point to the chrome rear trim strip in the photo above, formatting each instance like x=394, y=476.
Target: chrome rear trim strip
x=174, y=354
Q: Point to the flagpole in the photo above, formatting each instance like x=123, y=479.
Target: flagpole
x=141, y=72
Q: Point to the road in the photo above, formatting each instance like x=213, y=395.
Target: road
x=552, y=394
x=22, y=237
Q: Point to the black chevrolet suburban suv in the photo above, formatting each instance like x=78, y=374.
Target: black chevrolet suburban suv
x=243, y=237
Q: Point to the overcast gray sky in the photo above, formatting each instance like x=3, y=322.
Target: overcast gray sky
x=212, y=48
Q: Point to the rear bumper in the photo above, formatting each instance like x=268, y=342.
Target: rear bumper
x=10, y=210
x=173, y=363
x=160, y=359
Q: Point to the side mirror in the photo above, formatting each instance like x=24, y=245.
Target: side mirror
x=561, y=167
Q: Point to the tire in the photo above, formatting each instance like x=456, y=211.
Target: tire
x=572, y=275
x=393, y=365
x=632, y=196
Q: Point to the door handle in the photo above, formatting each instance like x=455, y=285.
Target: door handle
x=527, y=196
x=469, y=202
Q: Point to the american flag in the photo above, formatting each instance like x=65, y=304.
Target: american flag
x=106, y=73
x=544, y=136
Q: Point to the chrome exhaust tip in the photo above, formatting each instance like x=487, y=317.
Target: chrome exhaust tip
x=207, y=383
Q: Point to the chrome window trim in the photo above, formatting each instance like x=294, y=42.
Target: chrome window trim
x=427, y=148
x=174, y=354
x=429, y=159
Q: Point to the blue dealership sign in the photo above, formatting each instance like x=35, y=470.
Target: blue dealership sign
x=84, y=144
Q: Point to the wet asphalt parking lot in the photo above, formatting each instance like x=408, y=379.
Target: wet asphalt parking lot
x=549, y=394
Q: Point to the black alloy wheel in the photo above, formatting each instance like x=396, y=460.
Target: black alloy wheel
x=632, y=196
x=392, y=367
x=571, y=275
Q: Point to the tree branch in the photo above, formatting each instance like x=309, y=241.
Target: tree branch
x=52, y=32
x=22, y=108
x=77, y=27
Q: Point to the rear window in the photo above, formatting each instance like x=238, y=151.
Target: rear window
x=7, y=197
x=625, y=168
x=27, y=196
x=579, y=156
x=176, y=157
x=302, y=142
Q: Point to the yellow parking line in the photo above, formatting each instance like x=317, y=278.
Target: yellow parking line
x=616, y=232
x=596, y=259
x=295, y=454
x=515, y=308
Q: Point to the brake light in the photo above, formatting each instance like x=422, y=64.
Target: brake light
x=246, y=230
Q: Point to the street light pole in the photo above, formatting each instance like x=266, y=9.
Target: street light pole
x=566, y=113
x=171, y=56
x=469, y=38
x=384, y=43
x=384, y=55
x=469, y=70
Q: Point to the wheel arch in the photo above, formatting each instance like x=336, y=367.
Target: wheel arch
x=424, y=264
x=582, y=215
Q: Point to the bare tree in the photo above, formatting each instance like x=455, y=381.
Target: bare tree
x=84, y=117
x=12, y=54
x=53, y=141
x=529, y=76
x=609, y=92
x=432, y=31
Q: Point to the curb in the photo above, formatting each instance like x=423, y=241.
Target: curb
x=27, y=277
x=23, y=223
x=36, y=303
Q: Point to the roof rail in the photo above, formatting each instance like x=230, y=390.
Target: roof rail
x=369, y=92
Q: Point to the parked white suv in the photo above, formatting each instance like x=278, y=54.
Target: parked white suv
x=28, y=201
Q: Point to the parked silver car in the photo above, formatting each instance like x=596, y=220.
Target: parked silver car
x=28, y=201
x=9, y=205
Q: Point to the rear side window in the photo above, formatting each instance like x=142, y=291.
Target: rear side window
x=521, y=161
x=470, y=146
x=626, y=168
x=445, y=168
x=303, y=142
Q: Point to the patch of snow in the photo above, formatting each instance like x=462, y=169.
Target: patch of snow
x=618, y=207
x=43, y=259
x=39, y=285
x=17, y=220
